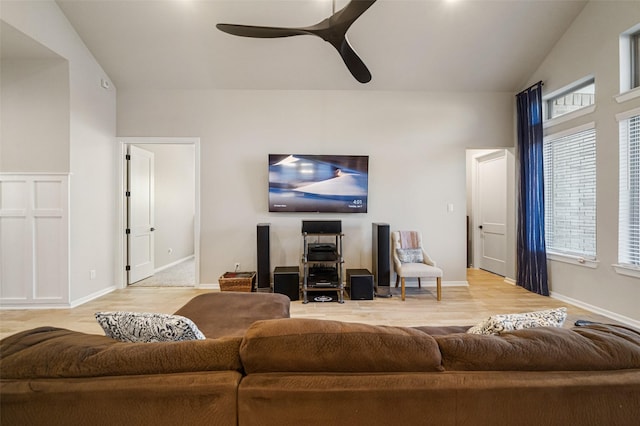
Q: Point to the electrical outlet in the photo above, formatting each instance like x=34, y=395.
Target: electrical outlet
x=237, y=266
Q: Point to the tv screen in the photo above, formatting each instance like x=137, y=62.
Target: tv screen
x=318, y=183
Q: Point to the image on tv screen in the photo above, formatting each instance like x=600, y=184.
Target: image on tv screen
x=318, y=183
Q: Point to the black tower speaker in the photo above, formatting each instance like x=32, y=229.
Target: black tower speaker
x=286, y=280
x=381, y=259
x=263, y=273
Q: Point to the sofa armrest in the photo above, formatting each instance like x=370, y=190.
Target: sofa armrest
x=49, y=352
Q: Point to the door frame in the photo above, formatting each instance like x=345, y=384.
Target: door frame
x=476, y=232
x=121, y=273
x=472, y=199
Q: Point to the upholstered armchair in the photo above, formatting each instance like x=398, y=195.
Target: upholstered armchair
x=410, y=260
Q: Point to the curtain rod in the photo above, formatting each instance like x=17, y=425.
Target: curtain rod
x=541, y=83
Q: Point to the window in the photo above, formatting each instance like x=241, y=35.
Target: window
x=570, y=192
x=634, y=40
x=577, y=96
x=629, y=64
x=629, y=221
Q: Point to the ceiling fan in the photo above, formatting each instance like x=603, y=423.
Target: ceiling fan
x=332, y=30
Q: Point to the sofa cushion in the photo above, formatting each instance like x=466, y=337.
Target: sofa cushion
x=310, y=345
x=506, y=322
x=55, y=352
x=596, y=347
x=224, y=314
x=147, y=327
x=434, y=330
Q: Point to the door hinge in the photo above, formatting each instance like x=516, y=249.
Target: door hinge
x=127, y=268
x=127, y=157
x=127, y=194
x=127, y=231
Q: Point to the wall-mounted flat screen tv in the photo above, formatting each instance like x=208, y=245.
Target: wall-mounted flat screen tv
x=318, y=183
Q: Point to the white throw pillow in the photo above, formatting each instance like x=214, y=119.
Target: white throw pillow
x=508, y=322
x=410, y=255
x=147, y=327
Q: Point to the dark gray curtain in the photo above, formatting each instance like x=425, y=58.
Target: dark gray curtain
x=532, y=254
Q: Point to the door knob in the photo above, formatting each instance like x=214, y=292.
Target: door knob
x=152, y=229
x=480, y=227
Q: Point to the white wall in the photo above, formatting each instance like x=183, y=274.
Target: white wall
x=591, y=46
x=91, y=143
x=34, y=96
x=416, y=144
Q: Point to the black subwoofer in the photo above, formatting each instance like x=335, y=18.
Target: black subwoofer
x=286, y=280
x=360, y=284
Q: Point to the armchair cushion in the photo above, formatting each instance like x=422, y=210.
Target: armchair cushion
x=414, y=270
x=410, y=255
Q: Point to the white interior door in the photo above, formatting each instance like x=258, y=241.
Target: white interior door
x=491, y=212
x=140, y=214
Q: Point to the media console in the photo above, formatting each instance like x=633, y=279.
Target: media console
x=322, y=261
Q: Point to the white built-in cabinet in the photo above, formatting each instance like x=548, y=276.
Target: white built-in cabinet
x=34, y=240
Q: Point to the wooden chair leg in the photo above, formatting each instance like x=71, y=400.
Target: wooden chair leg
x=403, y=289
x=397, y=280
x=419, y=283
x=439, y=288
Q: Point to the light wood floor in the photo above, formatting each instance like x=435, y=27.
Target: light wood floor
x=486, y=294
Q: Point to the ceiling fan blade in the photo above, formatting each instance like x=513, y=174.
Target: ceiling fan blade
x=353, y=62
x=259, y=32
x=351, y=12
x=332, y=30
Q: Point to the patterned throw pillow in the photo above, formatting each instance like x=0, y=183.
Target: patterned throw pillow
x=410, y=255
x=508, y=322
x=147, y=327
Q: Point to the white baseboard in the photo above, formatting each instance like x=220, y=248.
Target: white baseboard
x=73, y=304
x=425, y=284
x=431, y=283
x=172, y=264
x=32, y=307
x=596, y=310
x=454, y=284
x=82, y=300
x=208, y=286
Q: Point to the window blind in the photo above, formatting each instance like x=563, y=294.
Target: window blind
x=629, y=220
x=570, y=193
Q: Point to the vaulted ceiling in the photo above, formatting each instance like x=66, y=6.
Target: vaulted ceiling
x=439, y=45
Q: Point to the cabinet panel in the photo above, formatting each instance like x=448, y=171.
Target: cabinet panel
x=34, y=240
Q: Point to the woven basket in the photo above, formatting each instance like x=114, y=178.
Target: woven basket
x=237, y=281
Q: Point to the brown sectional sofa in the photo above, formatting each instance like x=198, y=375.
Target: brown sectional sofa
x=286, y=371
x=323, y=372
x=55, y=376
